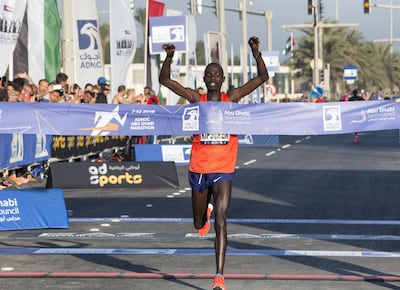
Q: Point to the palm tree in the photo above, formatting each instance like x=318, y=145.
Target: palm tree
x=104, y=31
x=378, y=68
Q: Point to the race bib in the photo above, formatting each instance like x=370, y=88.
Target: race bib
x=214, y=139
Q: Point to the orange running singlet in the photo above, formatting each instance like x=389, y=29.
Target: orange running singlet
x=208, y=157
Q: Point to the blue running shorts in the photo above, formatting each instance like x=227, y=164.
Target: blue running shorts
x=199, y=181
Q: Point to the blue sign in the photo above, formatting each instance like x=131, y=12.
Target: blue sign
x=350, y=73
x=271, y=59
x=170, y=29
x=32, y=209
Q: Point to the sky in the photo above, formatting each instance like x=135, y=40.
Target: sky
x=374, y=26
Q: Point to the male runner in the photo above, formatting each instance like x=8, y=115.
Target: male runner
x=213, y=158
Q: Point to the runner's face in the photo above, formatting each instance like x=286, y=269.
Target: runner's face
x=213, y=77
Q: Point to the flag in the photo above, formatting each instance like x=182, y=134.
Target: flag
x=156, y=8
x=212, y=41
x=290, y=43
x=38, y=47
x=11, y=20
x=88, y=52
x=122, y=41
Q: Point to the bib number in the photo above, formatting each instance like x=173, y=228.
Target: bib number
x=214, y=139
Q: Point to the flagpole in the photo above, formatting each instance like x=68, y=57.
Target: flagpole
x=291, y=60
x=146, y=37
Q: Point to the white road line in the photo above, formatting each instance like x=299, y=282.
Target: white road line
x=250, y=162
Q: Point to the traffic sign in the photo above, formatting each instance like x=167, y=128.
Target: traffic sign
x=350, y=73
x=270, y=89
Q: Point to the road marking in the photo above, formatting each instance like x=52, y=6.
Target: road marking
x=176, y=235
x=250, y=162
x=197, y=252
x=286, y=146
x=270, y=153
x=243, y=221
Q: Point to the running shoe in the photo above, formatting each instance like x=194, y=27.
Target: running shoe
x=5, y=183
x=206, y=227
x=219, y=283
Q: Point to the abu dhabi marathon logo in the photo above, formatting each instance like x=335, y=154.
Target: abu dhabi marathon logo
x=332, y=118
x=104, y=122
x=89, y=44
x=190, y=119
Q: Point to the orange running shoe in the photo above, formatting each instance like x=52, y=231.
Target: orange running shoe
x=219, y=283
x=206, y=227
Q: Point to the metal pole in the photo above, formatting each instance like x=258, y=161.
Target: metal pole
x=244, y=42
x=68, y=40
x=268, y=18
x=222, y=29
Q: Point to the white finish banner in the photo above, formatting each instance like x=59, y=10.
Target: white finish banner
x=122, y=41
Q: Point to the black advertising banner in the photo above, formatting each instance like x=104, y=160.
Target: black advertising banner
x=64, y=147
x=113, y=175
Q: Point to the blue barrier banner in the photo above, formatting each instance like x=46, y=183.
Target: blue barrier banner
x=32, y=209
x=208, y=117
x=23, y=149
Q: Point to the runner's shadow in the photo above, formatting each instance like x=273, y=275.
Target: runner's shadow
x=333, y=266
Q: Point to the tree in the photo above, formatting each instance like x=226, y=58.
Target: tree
x=378, y=68
x=104, y=31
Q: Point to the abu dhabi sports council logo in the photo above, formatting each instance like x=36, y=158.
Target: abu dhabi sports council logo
x=332, y=118
x=88, y=34
x=190, y=119
x=103, y=122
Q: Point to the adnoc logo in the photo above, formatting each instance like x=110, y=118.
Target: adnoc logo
x=103, y=122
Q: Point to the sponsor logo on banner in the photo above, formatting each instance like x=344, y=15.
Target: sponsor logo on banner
x=103, y=122
x=89, y=41
x=125, y=44
x=332, y=118
x=100, y=175
x=9, y=210
x=190, y=119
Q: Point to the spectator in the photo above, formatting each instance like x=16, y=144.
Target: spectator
x=102, y=97
x=3, y=95
x=62, y=79
x=42, y=94
x=151, y=98
x=356, y=97
x=13, y=92
x=56, y=94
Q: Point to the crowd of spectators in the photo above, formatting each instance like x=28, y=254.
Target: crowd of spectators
x=23, y=89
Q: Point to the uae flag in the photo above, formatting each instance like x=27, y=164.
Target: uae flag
x=290, y=43
x=38, y=47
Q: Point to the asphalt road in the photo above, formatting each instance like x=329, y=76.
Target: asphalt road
x=317, y=212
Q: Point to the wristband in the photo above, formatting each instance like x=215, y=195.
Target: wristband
x=257, y=56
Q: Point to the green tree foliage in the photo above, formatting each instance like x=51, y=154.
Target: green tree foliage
x=378, y=68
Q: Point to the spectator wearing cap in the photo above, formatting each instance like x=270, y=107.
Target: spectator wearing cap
x=102, y=96
x=102, y=81
x=55, y=93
